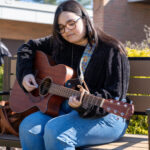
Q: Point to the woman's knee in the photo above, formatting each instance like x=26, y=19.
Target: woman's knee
x=57, y=132
x=33, y=123
x=56, y=126
x=51, y=130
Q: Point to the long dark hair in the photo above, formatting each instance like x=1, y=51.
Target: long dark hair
x=92, y=34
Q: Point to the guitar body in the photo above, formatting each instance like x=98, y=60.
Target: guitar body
x=49, y=104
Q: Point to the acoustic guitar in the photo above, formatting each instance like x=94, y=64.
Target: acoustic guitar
x=51, y=92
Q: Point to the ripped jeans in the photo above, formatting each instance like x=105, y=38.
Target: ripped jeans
x=68, y=131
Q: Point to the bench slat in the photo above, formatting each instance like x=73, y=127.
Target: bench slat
x=12, y=80
x=139, y=85
x=141, y=103
x=140, y=67
x=6, y=76
x=13, y=66
x=9, y=141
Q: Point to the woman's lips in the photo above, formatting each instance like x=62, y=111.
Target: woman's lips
x=70, y=35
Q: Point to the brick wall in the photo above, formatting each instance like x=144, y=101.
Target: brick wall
x=10, y=29
x=124, y=20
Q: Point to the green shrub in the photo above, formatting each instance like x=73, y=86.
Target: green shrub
x=138, y=125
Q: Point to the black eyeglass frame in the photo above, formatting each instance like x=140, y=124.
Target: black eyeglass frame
x=65, y=26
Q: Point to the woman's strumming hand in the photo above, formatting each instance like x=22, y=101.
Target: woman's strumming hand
x=29, y=82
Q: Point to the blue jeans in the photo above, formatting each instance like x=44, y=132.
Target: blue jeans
x=67, y=131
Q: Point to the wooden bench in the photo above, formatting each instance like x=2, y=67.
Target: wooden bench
x=139, y=67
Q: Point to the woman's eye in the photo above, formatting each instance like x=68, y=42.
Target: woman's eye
x=71, y=23
x=61, y=28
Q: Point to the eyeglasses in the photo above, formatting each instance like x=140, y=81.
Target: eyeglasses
x=71, y=24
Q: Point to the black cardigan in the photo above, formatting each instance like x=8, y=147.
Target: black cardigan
x=107, y=74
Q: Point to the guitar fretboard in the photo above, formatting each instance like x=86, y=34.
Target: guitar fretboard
x=67, y=92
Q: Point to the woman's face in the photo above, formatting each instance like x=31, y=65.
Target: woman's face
x=72, y=28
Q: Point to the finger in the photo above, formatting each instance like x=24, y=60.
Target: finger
x=73, y=97
x=29, y=85
x=73, y=102
x=29, y=89
x=73, y=105
x=34, y=82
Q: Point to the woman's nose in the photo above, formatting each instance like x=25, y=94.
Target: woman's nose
x=66, y=29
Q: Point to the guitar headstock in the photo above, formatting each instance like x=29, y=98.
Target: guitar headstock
x=119, y=108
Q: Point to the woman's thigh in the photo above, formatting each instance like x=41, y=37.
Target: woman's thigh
x=73, y=129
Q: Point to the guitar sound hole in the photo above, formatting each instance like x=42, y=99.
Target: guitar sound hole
x=44, y=86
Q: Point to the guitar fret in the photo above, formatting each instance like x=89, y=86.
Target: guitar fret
x=89, y=99
x=95, y=101
x=59, y=90
x=92, y=99
x=86, y=99
x=98, y=102
x=85, y=102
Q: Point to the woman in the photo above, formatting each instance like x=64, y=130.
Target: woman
x=106, y=75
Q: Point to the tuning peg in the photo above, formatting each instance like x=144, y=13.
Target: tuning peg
x=125, y=105
x=131, y=102
x=122, y=114
x=111, y=101
x=118, y=103
x=124, y=100
x=117, y=98
x=115, y=111
x=108, y=108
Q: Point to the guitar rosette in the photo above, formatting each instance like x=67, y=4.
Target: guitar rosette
x=45, y=86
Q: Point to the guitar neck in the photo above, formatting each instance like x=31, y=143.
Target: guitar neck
x=67, y=92
x=116, y=107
